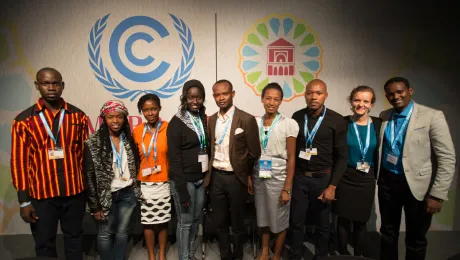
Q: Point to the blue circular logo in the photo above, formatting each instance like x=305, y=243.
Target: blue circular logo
x=115, y=87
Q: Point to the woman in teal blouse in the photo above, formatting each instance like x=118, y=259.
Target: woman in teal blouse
x=355, y=192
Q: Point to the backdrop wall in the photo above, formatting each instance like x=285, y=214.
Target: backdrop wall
x=122, y=49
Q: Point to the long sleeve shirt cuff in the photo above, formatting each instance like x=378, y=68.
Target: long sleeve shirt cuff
x=335, y=180
x=95, y=209
x=23, y=196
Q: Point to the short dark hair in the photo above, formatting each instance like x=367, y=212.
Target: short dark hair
x=273, y=85
x=396, y=79
x=362, y=89
x=224, y=81
x=47, y=69
x=144, y=98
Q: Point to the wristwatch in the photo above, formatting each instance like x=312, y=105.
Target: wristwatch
x=288, y=191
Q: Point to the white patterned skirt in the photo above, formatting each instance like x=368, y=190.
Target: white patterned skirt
x=157, y=206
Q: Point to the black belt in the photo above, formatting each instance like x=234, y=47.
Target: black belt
x=223, y=172
x=315, y=174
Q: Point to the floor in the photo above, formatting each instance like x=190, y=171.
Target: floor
x=441, y=246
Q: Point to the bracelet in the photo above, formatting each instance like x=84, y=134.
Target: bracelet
x=288, y=191
x=25, y=204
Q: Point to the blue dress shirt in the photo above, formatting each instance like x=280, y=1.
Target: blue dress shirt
x=399, y=119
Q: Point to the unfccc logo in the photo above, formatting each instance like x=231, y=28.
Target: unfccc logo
x=143, y=72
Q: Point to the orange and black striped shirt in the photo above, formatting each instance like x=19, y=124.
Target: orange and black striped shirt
x=33, y=173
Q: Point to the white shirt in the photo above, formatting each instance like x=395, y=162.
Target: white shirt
x=221, y=123
x=276, y=148
x=118, y=183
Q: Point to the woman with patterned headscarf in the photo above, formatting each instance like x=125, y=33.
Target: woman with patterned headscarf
x=111, y=163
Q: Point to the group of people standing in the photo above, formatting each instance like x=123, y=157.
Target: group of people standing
x=298, y=169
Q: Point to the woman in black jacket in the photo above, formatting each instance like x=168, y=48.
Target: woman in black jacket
x=188, y=164
x=111, y=163
x=355, y=192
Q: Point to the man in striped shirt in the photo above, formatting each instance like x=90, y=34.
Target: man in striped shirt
x=46, y=167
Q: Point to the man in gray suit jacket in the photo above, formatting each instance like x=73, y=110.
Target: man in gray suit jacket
x=417, y=168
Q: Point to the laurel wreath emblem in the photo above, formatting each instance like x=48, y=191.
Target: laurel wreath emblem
x=116, y=88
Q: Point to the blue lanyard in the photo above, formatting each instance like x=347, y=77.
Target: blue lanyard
x=47, y=127
x=312, y=134
x=201, y=137
x=153, y=141
x=221, y=139
x=368, y=139
x=401, y=129
x=264, y=138
x=118, y=156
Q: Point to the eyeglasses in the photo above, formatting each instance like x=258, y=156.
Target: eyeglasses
x=49, y=84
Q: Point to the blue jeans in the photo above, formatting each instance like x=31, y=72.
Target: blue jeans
x=112, y=237
x=188, y=219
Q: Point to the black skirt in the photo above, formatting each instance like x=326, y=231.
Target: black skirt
x=355, y=195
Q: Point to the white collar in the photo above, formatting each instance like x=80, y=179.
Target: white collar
x=226, y=115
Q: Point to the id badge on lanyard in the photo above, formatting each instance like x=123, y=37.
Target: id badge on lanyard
x=219, y=153
x=392, y=157
x=57, y=152
x=203, y=158
x=149, y=169
x=119, y=157
x=202, y=155
x=309, y=136
x=265, y=162
x=307, y=153
x=265, y=167
x=363, y=165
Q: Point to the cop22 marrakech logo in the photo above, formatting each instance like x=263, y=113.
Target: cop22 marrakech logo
x=120, y=57
x=282, y=49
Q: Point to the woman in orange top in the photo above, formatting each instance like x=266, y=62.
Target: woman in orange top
x=150, y=138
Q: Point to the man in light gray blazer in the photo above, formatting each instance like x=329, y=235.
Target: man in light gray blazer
x=417, y=167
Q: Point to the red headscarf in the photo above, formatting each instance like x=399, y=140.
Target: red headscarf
x=113, y=105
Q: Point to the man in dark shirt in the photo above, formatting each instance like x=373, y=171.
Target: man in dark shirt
x=46, y=167
x=320, y=163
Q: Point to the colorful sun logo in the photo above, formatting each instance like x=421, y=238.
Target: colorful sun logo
x=282, y=49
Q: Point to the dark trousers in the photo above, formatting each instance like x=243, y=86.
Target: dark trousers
x=305, y=193
x=394, y=194
x=69, y=211
x=228, y=194
x=343, y=233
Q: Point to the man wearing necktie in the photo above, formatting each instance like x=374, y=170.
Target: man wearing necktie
x=417, y=167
